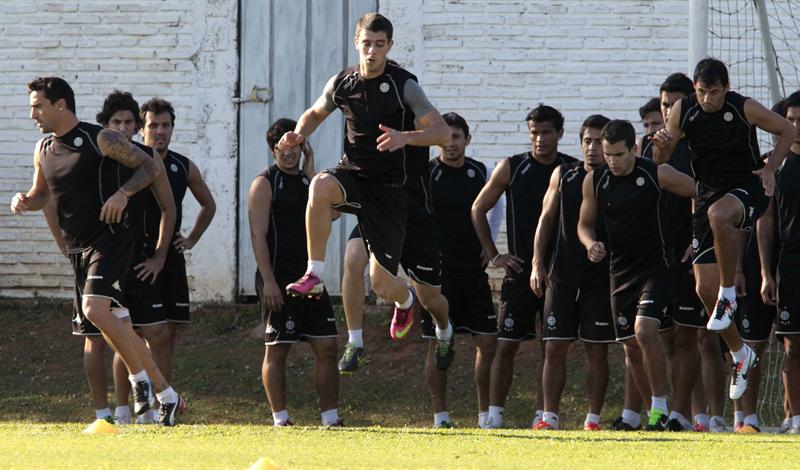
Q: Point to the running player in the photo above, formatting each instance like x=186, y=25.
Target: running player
x=524, y=178
x=158, y=117
x=627, y=193
x=786, y=206
x=576, y=303
x=381, y=103
x=78, y=165
x=720, y=126
x=276, y=207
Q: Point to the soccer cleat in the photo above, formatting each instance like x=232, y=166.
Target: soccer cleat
x=336, y=424
x=122, y=419
x=143, y=397
x=674, y=425
x=110, y=420
x=723, y=315
x=445, y=350
x=544, y=426
x=287, y=423
x=402, y=320
x=657, y=422
x=737, y=426
x=749, y=429
x=793, y=430
x=445, y=425
x=592, y=427
x=351, y=360
x=739, y=374
x=717, y=424
x=786, y=425
x=700, y=428
x=310, y=286
x=620, y=425
x=537, y=418
x=168, y=416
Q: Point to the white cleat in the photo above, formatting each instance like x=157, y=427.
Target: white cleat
x=717, y=424
x=723, y=315
x=122, y=419
x=739, y=374
x=793, y=430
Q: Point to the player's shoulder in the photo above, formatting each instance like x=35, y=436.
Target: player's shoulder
x=146, y=148
x=477, y=165
x=564, y=158
x=394, y=69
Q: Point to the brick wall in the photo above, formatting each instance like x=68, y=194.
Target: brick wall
x=182, y=51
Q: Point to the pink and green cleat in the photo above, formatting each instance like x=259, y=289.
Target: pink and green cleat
x=310, y=286
x=402, y=321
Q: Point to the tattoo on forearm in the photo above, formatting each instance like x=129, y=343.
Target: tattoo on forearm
x=144, y=175
x=114, y=145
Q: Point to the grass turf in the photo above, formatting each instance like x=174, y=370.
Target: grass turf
x=27, y=445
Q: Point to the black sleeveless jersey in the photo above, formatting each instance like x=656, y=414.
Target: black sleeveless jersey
x=366, y=103
x=724, y=143
x=524, y=199
x=454, y=190
x=137, y=210
x=570, y=264
x=81, y=179
x=177, y=168
x=787, y=198
x=630, y=206
x=286, y=236
x=676, y=211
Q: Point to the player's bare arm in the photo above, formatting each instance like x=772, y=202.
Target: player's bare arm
x=308, y=161
x=151, y=267
x=587, y=234
x=116, y=146
x=51, y=217
x=675, y=181
x=259, y=205
x=666, y=139
x=306, y=125
x=765, y=234
x=39, y=194
x=542, y=241
x=432, y=130
x=208, y=207
x=775, y=124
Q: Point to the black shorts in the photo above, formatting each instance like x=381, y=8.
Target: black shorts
x=648, y=297
x=571, y=313
x=471, y=306
x=381, y=211
x=753, y=200
x=100, y=271
x=300, y=319
x=685, y=307
x=753, y=318
x=787, y=321
x=144, y=302
x=173, y=288
x=519, y=307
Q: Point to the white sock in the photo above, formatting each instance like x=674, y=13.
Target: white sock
x=658, y=403
x=738, y=417
x=280, y=418
x=740, y=355
x=329, y=417
x=101, y=414
x=796, y=420
x=167, y=395
x=316, y=267
x=751, y=419
x=446, y=333
x=482, y=416
x=138, y=377
x=703, y=420
x=440, y=417
x=550, y=418
x=406, y=303
x=727, y=293
x=122, y=411
x=592, y=418
x=632, y=418
x=356, y=337
x=496, y=416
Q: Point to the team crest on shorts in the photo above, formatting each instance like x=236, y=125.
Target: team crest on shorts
x=78, y=141
x=622, y=321
x=509, y=322
x=745, y=323
x=384, y=87
x=695, y=243
x=551, y=320
x=785, y=315
x=289, y=325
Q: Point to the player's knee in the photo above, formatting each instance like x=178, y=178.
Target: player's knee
x=94, y=345
x=323, y=188
x=597, y=355
x=721, y=214
x=158, y=337
x=325, y=351
x=355, y=257
x=556, y=350
x=275, y=354
x=632, y=350
x=792, y=350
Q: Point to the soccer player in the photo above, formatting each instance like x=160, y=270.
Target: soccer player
x=720, y=126
x=276, y=207
x=786, y=207
x=577, y=297
x=158, y=117
x=524, y=178
x=386, y=115
x=652, y=119
x=627, y=194
x=78, y=165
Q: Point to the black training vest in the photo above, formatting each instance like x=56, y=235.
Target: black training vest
x=787, y=198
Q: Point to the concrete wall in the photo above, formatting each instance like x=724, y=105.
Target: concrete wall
x=183, y=51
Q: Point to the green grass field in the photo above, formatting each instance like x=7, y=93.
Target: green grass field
x=239, y=446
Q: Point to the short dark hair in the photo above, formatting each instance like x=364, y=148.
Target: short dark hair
x=277, y=129
x=376, y=23
x=619, y=130
x=544, y=113
x=710, y=71
x=791, y=101
x=677, y=82
x=119, y=101
x=54, y=88
x=653, y=105
x=595, y=121
x=455, y=120
x=157, y=105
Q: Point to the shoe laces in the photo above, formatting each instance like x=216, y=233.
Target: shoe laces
x=655, y=418
x=350, y=351
x=722, y=308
